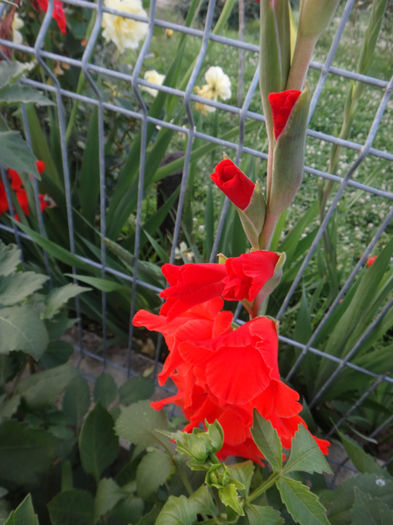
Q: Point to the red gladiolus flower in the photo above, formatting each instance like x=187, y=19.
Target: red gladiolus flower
x=234, y=183
x=58, y=12
x=282, y=104
x=370, y=261
x=21, y=195
x=239, y=278
x=224, y=374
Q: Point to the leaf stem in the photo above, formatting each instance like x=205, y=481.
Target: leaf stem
x=264, y=487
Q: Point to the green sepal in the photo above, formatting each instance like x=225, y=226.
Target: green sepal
x=288, y=157
x=253, y=217
x=229, y=497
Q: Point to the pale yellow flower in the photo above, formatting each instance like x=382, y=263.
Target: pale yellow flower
x=17, y=23
x=168, y=32
x=218, y=86
x=154, y=77
x=218, y=83
x=124, y=32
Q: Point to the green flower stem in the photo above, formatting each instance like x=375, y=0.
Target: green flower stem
x=268, y=230
x=301, y=60
x=271, y=480
x=81, y=82
x=183, y=475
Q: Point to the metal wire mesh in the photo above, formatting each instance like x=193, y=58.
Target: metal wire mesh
x=94, y=98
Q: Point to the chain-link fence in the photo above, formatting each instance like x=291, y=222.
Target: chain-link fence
x=352, y=184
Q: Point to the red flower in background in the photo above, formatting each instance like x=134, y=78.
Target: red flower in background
x=237, y=279
x=370, y=261
x=58, y=12
x=234, y=183
x=21, y=195
x=281, y=105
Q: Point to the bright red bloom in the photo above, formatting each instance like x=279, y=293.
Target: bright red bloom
x=58, y=12
x=234, y=183
x=282, y=104
x=21, y=195
x=238, y=279
x=223, y=374
x=370, y=261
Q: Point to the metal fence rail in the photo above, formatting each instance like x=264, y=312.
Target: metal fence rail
x=87, y=66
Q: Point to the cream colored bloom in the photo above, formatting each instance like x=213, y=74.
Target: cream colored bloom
x=218, y=82
x=17, y=23
x=218, y=86
x=154, y=77
x=124, y=32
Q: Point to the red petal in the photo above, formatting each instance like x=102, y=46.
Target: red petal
x=234, y=183
x=281, y=104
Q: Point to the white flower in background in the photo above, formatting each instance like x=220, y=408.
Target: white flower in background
x=17, y=23
x=154, y=77
x=218, y=82
x=218, y=86
x=124, y=32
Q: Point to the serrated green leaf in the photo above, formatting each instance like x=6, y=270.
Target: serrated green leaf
x=305, y=454
x=107, y=496
x=105, y=389
x=136, y=389
x=23, y=514
x=23, y=94
x=10, y=72
x=362, y=461
x=370, y=510
x=267, y=440
x=243, y=472
x=25, y=453
x=15, y=288
x=72, y=507
x=16, y=154
x=43, y=388
x=9, y=258
x=267, y=515
x=152, y=472
x=177, y=511
x=229, y=497
x=76, y=400
x=301, y=503
x=60, y=296
x=22, y=329
x=138, y=423
x=98, y=444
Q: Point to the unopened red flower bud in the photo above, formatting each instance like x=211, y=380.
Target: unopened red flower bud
x=234, y=183
x=282, y=104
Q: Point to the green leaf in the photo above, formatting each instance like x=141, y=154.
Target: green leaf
x=242, y=472
x=23, y=514
x=372, y=511
x=10, y=72
x=138, y=423
x=108, y=495
x=98, y=444
x=128, y=510
x=9, y=258
x=22, y=329
x=60, y=296
x=305, y=454
x=267, y=515
x=23, y=94
x=16, y=154
x=136, y=389
x=267, y=440
x=57, y=353
x=72, y=507
x=43, y=388
x=76, y=400
x=301, y=503
x=105, y=389
x=9, y=406
x=16, y=288
x=152, y=472
x=89, y=177
x=177, y=511
x=230, y=498
x=362, y=461
x=203, y=501
x=104, y=285
x=25, y=453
